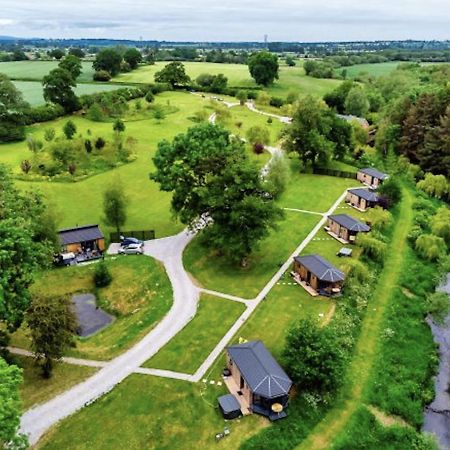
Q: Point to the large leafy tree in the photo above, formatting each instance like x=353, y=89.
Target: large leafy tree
x=336, y=98
x=316, y=133
x=58, y=89
x=10, y=407
x=210, y=173
x=25, y=245
x=314, y=356
x=108, y=59
x=72, y=64
x=174, y=74
x=52, y=324
x=11, y=107
x=356, y=102
x=133, y=57
x=115, y=205
x=263, y=67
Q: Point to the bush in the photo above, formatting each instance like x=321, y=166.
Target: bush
x=277, y=102
x=440, y=224
x=372, y=247
x=102, y=75
x=95, y=113
x=100, y=143
x=102, y=275
x=149, y=97
x=430, y=247
x=278, y=177
x=438, y=305
x=390, y=192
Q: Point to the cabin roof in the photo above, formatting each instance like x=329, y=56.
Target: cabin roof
x=321, y=268
x=79, y=234
x=258, y=367
x=374, y=173
x=366, y=194
x=350, y=223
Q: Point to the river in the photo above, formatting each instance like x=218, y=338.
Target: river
x=437, y=414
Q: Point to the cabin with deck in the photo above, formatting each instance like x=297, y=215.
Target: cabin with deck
x=87, y=241
x=257, y=380
x=371, y=177
x=361, y=199
x=318, y=276
x=345, y=228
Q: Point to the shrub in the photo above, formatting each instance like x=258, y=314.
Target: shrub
x=102, y=275
x=72, y=168
x=258, y=135
x=69, y=129
x=277, y=102
x=434, y=185
x=357, y=271
x=149, y=97
x=102, y=75
x=258, y=148
x=95, y=113
x=25, y=165
x=440, y=224
x=379, y=218
x=390, y=192
x=278, y=177
x=430, y=247
x=88, y=145
x=100, y=143
x=438, y=305
x=49, y=134
x=372, y=247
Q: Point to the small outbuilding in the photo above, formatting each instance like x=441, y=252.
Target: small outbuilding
x=87, y=241
x=371, y=177
x=258, y=381
x=361, y=199
x=345, y=228
x=229, y=407
x=318, y=276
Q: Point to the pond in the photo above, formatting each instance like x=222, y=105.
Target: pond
x=437, y=414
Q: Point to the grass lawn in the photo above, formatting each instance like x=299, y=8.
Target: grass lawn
x=146, y=412
x=313, y=192
x=139, y=295
x=219, y=274
x=189, y=348
x=366, y=348
x=36, y=389
x=81, y=202
x=36, y=70
x=292, y=79
x=374, y=70
x=32, y=90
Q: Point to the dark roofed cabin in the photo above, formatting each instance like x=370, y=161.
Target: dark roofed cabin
x=372, y=177
x=361, y=199
x=85, y=239
x=345, y=228
x=318, y=276
x=257, y=380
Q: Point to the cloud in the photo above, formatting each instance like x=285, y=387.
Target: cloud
x=301, y=20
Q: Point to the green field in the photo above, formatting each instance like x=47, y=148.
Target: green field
x=32, y=90
x=374, y=70
x=292, y=79
x=36, y=70
x=81, y=202
x=189, y=348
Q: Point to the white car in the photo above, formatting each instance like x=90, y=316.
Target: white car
x=132, y=249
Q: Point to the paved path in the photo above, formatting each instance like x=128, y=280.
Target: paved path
x=284, y=119
x=39, y=419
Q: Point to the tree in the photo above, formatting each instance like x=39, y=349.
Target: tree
x=290, y=61
x=69, y=129
x=434, y=185
x=102, y=275
x=258, y=136
x=438, y=305
x=174, y=74
x=10, y=407
x=56, y=53
x=219, y=84
x=195, y=167
x=72, y=64
x=133, y=57
x=115, y=206
x=149, y=97
x=58, y=86
x=12, y=106
x=263, y=67
x=430, y=247
x=242, y=97
x=440, y=224
x=24, y=247
x=49, y=134
x=314, y=357
x=336, y=98
x=390, y=193
x=77, y=52
x=100, y=143
x=309, y=134
x=279, y=174
x=101, y=75
x=52, y=325
x=25, y=165
x=356, y=102
x=109, y=60
x=119, y=126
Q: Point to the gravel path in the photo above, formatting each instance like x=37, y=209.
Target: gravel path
x=36, y=421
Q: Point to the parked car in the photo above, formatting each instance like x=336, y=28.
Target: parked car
x=130, y=240
x=132, y=249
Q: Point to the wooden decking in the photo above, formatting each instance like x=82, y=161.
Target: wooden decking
x=234, y=389
x=335, y=236
x=311, y=291
x=357, y=207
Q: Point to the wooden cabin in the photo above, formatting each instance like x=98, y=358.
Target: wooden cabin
x=371, y=177
x=345, y=228
x=81, y=240
x=361, y=199
x=257, y=380
x=317, y=275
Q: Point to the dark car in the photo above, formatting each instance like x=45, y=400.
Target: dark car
x=130, y=240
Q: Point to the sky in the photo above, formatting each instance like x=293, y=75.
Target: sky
x=227, y=20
